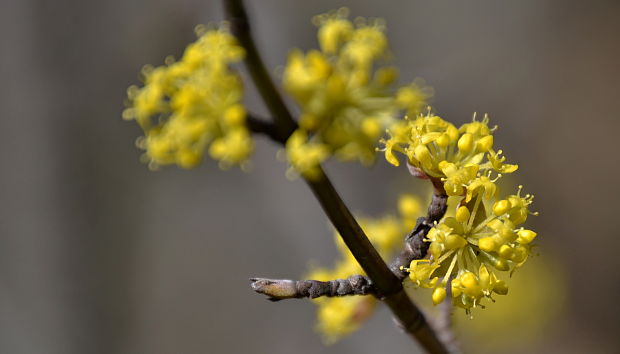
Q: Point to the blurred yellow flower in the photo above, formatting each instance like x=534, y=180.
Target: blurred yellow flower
x=339, y=316
x=193, y=104
x=346, y=103
x=305, y=156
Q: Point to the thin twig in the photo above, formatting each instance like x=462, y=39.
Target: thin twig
x=240, y=27
x=280, y=289
x=261, y=126
x=388, y=285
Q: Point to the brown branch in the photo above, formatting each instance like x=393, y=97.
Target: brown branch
x=260, y=126
x=281, y=289
x=415, y=246
x=388, y=285
x=240, y=28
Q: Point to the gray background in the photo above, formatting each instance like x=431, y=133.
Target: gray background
x=99, y=255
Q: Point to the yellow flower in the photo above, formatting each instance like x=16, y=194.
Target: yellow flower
x=420, y=272
x=456, y=179
x=497, y=162
x=346, y=101
x=484, y=183
x=339, y=316
x=410, y=210
x=305, y=156
x=191, y=105
x=437, y=149
x=334, y=31
x=474, y=244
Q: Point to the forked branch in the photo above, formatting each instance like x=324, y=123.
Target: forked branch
x=388, y=286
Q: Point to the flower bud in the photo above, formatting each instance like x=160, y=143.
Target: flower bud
x=466, y=143
x=500, y=287
x=439, y=294
x=501, y=207
x=526, y=236
x=484, y=144
x=462, y=214
x=487, y=244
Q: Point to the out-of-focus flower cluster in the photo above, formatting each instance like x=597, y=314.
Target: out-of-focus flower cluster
x=346, y=102
x=484, y=235
x=190, y=105
x=339, y=316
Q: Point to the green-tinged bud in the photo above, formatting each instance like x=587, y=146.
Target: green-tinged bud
x=520, y=254
x=500, y=287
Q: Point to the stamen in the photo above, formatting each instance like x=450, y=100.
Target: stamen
x=473, y=256
x=443, y=258
x=461, y=259
x=473, y=214
x=484, y=223
x=447, y=276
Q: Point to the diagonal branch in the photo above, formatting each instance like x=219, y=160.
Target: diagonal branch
x=388, y=285
x=261, y=126
x=240, y=28
x=408, y=316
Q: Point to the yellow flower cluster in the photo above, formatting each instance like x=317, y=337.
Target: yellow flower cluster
x=193, y=104
x=482, y=237
x=437, y=149
x=339, y=316
x=346, y=103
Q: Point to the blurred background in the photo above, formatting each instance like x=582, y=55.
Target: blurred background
x=100, y=255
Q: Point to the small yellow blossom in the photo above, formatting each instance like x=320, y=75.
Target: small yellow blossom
x=346, y=101
x=410, y=210
x=471, y=246
x=420, y=273
x=305, y=156
x=339, y=316
x=437, y=149
x=193, y=104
